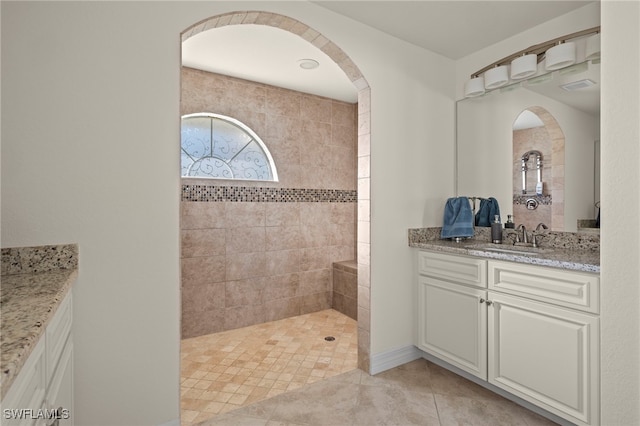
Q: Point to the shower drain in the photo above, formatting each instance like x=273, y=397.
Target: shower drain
x=329, y=338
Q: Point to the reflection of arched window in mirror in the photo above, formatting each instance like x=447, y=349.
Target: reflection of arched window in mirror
x=538, y=169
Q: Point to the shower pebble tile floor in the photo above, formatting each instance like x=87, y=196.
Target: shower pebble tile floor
x=224, y=371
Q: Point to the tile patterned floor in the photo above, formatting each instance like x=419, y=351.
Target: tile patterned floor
x=417, y=393
x=228, y=370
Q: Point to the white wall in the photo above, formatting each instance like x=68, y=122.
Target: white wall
x=90, y=127
x=620, y=249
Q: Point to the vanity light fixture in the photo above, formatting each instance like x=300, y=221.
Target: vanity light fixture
x=560, y=56
x=474, y=87
x=558, y=53
x=524, y=66
x=308, y=64
x=496, y=77
x=593, y=47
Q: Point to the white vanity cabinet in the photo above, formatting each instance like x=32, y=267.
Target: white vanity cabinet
x=452, y=315
x=544, y=338
x=532, y=331
x=44, y=386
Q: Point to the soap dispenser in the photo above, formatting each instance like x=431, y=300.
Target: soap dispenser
x=496, y=230
x=509, y=224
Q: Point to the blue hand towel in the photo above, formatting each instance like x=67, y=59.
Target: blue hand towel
x=488, y=210
x=458, y=218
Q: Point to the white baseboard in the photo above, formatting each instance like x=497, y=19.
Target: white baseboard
x=392, y=358
x=175, y=422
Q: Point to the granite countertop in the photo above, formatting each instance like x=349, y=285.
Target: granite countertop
x=33, y=283
x=571, y=252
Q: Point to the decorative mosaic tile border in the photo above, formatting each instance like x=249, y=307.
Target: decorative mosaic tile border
x=210, y=193
x=544, y=200
x=27, y=260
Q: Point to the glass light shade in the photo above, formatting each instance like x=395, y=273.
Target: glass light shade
x=560, y=56
x=474, y=87
x=593, y=47
x=524, y=66
x=496, y=77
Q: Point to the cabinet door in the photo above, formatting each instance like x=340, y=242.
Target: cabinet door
x=59, y=400
x=546, y=355
x=452, y=323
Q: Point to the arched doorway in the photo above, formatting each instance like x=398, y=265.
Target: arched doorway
x=343, y=61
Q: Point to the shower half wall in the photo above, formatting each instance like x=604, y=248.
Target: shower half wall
x=260, y=251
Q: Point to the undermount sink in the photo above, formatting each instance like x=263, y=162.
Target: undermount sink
x=510, y=249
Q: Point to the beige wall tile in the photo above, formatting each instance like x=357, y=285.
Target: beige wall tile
x=245, y=240
x=343, y=136
x=342, y=234
x=242, y=316
x=283, y=237
x=201, y=323
x=316, y=108
x=315, y=302
x=238, y=215
x=343, y=114
x=314, y=236
x=283, y=102
x=282, y=308
x=282, y=214
x=281, y=287
x=315, y=281
x=249, y=292
x=204, y=297
x=341, y=253
x=195, y=215
x=202, y=270
x=314, y=258
x=315, y=213
x=363, y=297
x=202, y=242
x=282, y=262
x=245, y=265
x=283, y=127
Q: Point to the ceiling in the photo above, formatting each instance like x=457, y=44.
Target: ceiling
x=451, y=28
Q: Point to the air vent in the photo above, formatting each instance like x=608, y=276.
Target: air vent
x=580, y=84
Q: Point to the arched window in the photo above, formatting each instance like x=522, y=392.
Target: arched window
x=216, y=146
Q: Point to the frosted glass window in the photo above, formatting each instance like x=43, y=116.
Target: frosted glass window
x=216, y=146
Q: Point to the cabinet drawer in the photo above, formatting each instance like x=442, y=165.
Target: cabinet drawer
x=56, y=334
x=563, y=288
x=459, y=269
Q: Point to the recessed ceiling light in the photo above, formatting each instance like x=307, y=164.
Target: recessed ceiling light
x=308, y=64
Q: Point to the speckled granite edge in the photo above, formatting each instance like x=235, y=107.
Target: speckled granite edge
x=27, y=260
x=567, y=252
x=552, y=239
x=34, y=282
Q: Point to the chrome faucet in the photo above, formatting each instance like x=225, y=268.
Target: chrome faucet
x=522, y=228
x=537, y=233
